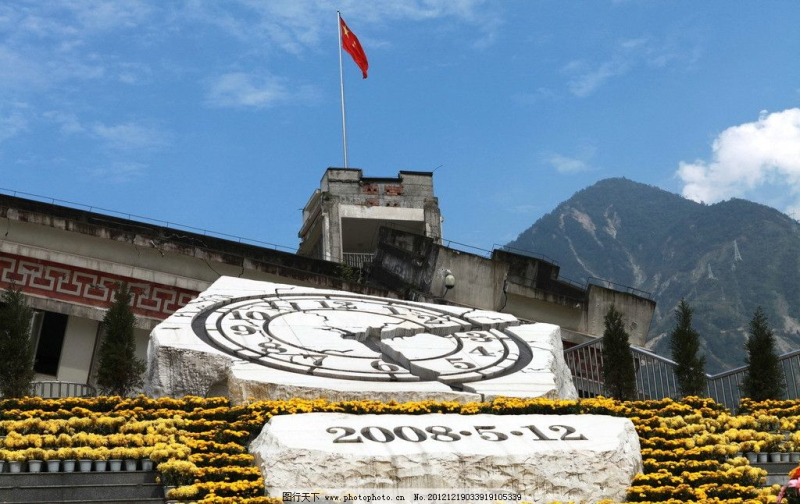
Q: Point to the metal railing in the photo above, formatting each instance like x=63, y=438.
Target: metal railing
x=569, y=281
x=357, y=259
x=655, y=375
x=470, y=249
x=791, y=371
x=523, y=252
x=726, y=387
x=608, y=284
x=143, y=219
x=59, y=389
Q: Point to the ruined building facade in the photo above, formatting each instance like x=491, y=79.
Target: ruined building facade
x=376, y=236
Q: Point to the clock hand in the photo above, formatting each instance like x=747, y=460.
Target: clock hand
x=370, y=338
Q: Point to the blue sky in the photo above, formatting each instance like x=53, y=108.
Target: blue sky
x=223, y=115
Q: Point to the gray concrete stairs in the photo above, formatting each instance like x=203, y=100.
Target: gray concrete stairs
x=84, y=487
x=778, y=472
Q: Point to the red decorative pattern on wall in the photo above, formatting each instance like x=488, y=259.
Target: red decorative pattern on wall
x=87, y=287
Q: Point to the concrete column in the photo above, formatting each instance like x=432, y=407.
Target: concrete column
x=433, y=220
x=332, y=232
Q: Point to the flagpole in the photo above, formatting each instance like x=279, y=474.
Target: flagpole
x=341, y=87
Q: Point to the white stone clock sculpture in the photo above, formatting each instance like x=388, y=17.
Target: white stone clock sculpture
x=259, y=340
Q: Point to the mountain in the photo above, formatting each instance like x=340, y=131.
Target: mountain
x=724, y=259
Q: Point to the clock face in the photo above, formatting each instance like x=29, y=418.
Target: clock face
x=357, y=338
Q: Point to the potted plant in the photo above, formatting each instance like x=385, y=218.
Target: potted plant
x=167, y=488
x=35, y=457
x=67, y=456
x=773, y=446
x=147, y=463
x=736, y=450
x=131, y=458
x=100, y=459
x=115, y=457
x=746, y=447
x=3, y=459
x=53, y=461
x=177, y=472
x=761, y=455
x=182, y=493
x=15, y=460
x=768, y=423
x=785, y=449
x=85, y=459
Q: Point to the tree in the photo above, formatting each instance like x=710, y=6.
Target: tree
x=685, y=345
x=764, y=376
x=119, y=370
x=16, y=347
x=619, y=374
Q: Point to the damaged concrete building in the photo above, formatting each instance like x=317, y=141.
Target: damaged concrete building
x=377, y=236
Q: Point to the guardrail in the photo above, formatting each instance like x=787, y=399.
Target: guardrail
x=569, y=281
x=140, y=218
x=608, y=284
x=357, y=260
x=470, y=249
x=524, y=252
x=60, y=389
x=655, y=375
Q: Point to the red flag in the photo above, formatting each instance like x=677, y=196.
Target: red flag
x=351, y=44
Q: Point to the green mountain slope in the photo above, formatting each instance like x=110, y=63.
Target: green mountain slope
x=724, y=259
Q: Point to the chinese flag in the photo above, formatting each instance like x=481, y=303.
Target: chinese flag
x=351, y=44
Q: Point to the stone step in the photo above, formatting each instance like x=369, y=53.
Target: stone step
x=777, y=472
x=776, y=467
x=95, y=501
x=62, y=493
x=133, y=486
x=774, y=479
x=77, y=478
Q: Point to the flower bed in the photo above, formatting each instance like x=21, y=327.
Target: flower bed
x=688, y=447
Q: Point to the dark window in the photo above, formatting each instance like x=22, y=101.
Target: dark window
x=51, y=340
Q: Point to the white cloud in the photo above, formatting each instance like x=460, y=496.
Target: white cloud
x=74, y=67
x=585, y=78
x=118, y=172
x=295, y=26
x=48, y=43
x=130, y=136
x=589, y=79
x=134, y=73
x=578, y=162
x=67, y=121
x=566, y=165
x=76, y=18
x=19, y=70
x=12, y=124
x=242, y=90
x=747, y=157
x=531, y=98
x=104, y=15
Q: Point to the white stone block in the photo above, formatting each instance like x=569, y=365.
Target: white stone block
x=542, y=457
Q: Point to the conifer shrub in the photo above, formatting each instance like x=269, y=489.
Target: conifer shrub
x=764, y=377
x=119, y=370
x=619, y=374
x=16, y=347
x=685, y=345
